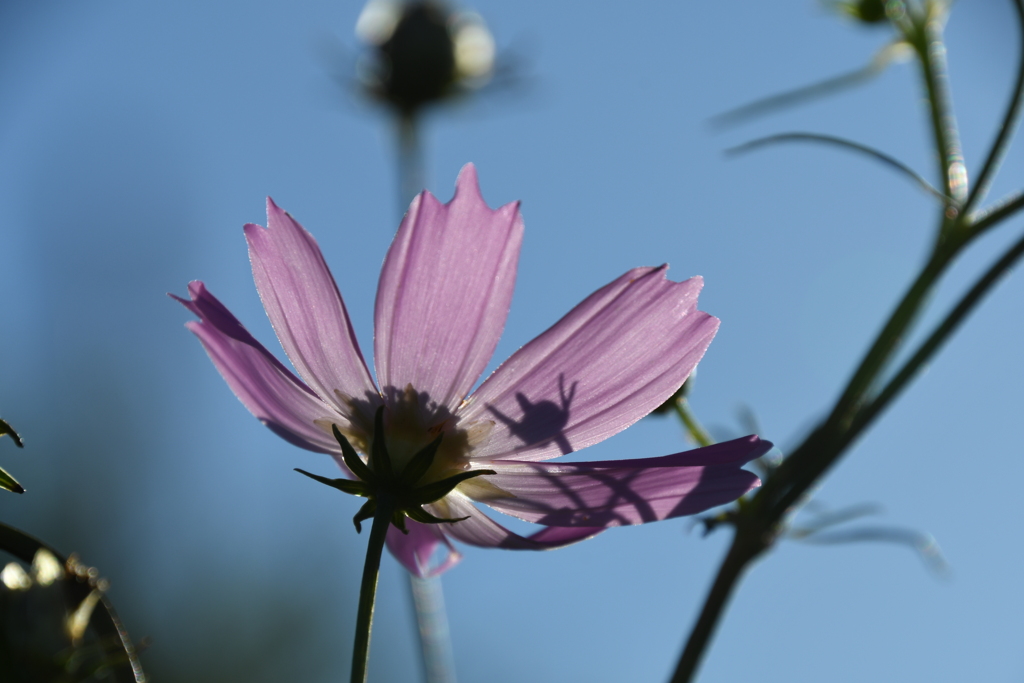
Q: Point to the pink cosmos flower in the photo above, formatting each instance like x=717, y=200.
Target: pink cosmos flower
x=443, y=297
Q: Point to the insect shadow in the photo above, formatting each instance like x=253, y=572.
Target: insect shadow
x=543, y=422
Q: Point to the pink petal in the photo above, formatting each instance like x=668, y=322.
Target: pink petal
x=418, y=551
x=306, y=309
x=445, y=291
x=481, y=530
x=268, y=389
x=611, y=360
x=615, y=493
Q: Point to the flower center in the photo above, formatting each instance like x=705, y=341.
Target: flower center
x=412, y=421
x=417, y=455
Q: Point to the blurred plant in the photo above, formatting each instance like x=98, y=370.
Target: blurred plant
x=56, y=625
x=420, y=54
x=820, y=528
x=8, y=482
x=762, y=519
x=872, y=12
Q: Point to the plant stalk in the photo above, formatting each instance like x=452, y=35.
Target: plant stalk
x=368, y=588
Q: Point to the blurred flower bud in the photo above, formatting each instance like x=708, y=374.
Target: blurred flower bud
x=865, y=11
x=422, y=52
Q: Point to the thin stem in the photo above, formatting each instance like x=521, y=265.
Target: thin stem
x=1002, y=141
x=368, y=588
x=825, y=445
x=433, y=633
x=927, y=349
x=410, y=160
x=927, y=41
x=732, y=569
x=888, y=339
x=693, y=426
x=995, y=214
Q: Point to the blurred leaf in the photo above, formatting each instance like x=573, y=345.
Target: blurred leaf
x=923, y=544
x=790, y=98
x=10, y=483
x=8, y=429
x=818, y=532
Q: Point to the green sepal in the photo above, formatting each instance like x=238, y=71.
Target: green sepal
x=352, y=459
x=368, y=510
x=420, y=463
x=423, y=517
x=8, y=429
x=8, y=482
x=440, y=489
x=398, y=519
x=380, y=461
x=377, y=478
x=355, y=488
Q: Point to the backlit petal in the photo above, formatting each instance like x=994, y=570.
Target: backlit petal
x=306, y=309
x=445, y=291
x=610, y=361
x=616, y=493
x=481, y=530
x=267, y=388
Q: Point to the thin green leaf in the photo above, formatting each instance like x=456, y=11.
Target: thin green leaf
x=923, y=544
x=8, y=482
x=847, y=144
x=806, y=93
x=8, y=429
x=826, y=520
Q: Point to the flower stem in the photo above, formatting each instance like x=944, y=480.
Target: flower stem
x=693, y=426
x=432, y=631
x=410, y=161
x=368, y=589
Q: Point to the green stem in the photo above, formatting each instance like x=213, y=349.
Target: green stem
x=741, y=553
x=993, y=215
x=927, y=349
x=693, y=426
x=1002, y=141
x=410, y=161
x=368, y=589
x=757, y=523
x=825, y=445
x=931, y=50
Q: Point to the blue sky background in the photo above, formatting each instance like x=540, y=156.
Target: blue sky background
x=137, y=138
